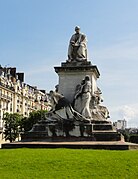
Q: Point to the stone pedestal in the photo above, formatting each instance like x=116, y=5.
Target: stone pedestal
x=71, y=74
x=96, y=131
x=77, y=129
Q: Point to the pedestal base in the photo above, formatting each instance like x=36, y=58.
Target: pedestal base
x=119, y=145
x=86, y=132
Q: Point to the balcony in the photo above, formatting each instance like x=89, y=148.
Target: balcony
x=3, y=96
x=7, y=86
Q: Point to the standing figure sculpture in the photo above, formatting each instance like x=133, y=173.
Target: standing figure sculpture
x=77, y=50
x=83, y=98
x=86, y=97
x=78, y=97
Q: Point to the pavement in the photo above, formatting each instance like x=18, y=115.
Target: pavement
x=111, y=145
x=3, y=142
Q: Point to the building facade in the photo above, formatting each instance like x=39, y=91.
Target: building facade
x=120, y=124
x=17, y=96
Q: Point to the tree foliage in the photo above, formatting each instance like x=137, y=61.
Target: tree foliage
x=133, y=138
x=35, y=116
x=16, y=123
x=12, y=124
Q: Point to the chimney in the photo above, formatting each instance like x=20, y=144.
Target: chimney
x=20, y=76
x=13, y=71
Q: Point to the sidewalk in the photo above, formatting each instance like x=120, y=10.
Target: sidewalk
x=3, y=142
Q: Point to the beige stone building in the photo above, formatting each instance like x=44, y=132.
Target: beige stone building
x=120, y=124
x=17, y=96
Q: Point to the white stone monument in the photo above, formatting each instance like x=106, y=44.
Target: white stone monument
x=71, y=74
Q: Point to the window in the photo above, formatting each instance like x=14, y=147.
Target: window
x=7, y=106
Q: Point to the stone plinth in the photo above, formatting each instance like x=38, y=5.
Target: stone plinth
x=90, y=132
x=112, y=145
x=71, y=74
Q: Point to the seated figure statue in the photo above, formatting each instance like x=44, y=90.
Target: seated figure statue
x=77, y=50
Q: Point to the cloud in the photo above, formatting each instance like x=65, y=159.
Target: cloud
x=118, y=67
x=128, y=112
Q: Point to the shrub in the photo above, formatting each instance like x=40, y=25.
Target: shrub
x=134, y=138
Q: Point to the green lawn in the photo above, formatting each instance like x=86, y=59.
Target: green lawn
x=68, y=163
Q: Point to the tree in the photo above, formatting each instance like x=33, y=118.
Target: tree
x=12, y=124
x=125, y=133
x=133, y=138
x=35, y=116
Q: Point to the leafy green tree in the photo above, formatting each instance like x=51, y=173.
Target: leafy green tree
x=12, y=126
x=35, y=116
x=125, y=133
x=133, y=138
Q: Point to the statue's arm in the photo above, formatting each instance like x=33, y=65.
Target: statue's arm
x=83, y=40
x=72, y=40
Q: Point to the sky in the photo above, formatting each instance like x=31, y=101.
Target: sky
x=34, y=37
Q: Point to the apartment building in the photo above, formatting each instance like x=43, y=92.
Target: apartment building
x=120, y=124
x=17, y=96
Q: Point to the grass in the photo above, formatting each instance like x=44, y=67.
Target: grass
x=68, y=163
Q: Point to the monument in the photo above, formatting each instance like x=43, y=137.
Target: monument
x=77, y=113
x=77, y=118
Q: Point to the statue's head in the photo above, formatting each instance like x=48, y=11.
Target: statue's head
x=51, y=92
x=87, y=78
x=77, y=29
x=83, y=82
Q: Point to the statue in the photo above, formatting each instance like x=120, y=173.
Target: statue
x=62, y=114
x=78, y=97
x=83, y=98
x=86, y=97
x=96, y=98
x=77, y=50
x=61, y=106
x=58, y=101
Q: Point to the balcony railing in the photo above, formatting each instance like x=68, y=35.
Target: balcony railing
x=5, y=97
x=7, y=86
